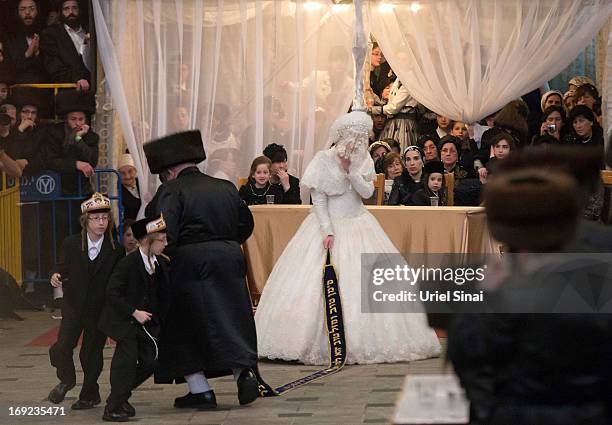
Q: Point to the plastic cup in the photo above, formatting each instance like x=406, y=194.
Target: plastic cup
x=270, y=199
x=433, y=201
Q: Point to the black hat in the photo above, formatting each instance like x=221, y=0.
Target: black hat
x=431, y=167
x=23, y=96
x=8, y=101
x=532, y=209
x=450, y=139
x=74, y=101
x=146, y=226
x=174, y=149
x=581, y=110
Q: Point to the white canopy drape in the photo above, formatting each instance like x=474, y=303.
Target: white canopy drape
x=248, y=73
x=467, y=58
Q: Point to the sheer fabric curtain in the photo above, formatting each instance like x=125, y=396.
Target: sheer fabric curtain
x=246, y=73
x=467, y=58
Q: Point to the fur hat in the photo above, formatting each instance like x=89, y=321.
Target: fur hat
x=74, y=101
x=174, y=149
x=146, y=226
x=532, y=209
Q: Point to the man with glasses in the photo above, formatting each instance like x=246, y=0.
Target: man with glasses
x=89, y=260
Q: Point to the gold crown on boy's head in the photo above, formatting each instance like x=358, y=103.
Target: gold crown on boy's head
x=97, y=202
x=156, y=225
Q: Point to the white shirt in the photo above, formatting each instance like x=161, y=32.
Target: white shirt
x=93, y=248
x=145, y=260
x=133, y=191
x=81, y=44
x=441, y=133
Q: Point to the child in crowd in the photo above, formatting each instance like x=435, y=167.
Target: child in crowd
x=433, y=172
x=501, y=145
x=137, y=298
x=258, y=189
x=130, y=244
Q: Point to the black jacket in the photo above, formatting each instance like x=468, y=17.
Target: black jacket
x=61, y=59
x=28, y=145
x=421, y=197
x=74, y=268
x=252, y=195
x=131, y=204
x=62, y=152
x=292, y=196
x=403, y=189
x=24, y=70
x=126, y=291
x=201, y=208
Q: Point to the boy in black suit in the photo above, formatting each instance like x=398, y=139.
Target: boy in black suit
x=136, y=300
x=90, y=258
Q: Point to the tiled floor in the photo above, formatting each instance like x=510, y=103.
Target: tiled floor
x=356, y=395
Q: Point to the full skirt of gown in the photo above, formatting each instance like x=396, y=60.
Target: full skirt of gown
x=290, y=318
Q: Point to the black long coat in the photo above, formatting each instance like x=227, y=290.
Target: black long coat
x=126, y=291
x=74, y=269
x=62, y=152
x=210, y=324
x=24, y=70
x=61, y=60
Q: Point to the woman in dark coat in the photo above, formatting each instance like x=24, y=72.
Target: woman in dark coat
x=410, y=181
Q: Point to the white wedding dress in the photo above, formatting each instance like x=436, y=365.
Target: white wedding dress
x=290, y=318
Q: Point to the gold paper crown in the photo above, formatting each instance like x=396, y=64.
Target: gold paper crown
x=97, y=202
x=156, y=225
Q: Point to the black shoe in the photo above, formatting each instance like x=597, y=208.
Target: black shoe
x=129, y=409
x=206, y=400
x=86, y=404
x=248, y=387
x=117, y=416
x=58, y=393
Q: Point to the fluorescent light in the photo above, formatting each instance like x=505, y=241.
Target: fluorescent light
x=312, y=5
x=415, y=7
x=386, y=7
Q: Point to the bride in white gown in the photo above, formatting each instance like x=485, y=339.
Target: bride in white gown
x=290, y=319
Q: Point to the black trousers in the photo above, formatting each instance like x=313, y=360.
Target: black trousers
x=91, y=355
x=133, y=363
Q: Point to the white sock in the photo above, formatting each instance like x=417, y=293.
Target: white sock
x=29, y=281
x=197, y=383
x=29, y=287
x=237, y=372
x=58, y=293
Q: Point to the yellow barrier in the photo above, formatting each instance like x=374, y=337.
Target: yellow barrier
x=10, y=229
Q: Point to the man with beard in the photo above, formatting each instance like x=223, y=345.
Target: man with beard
x=65, y=48
x=22, y=48
x=72, y=147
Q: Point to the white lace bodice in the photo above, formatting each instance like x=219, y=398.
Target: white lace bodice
x=335, y=193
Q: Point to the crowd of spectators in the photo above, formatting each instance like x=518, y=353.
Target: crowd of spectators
x=472, y=151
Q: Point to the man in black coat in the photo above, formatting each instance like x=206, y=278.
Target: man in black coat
x=25, y=141
x=66, y=48
x=137, y=302
x=89, y=259
x=211, y=330
x=71, y=148
x=22, y=48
